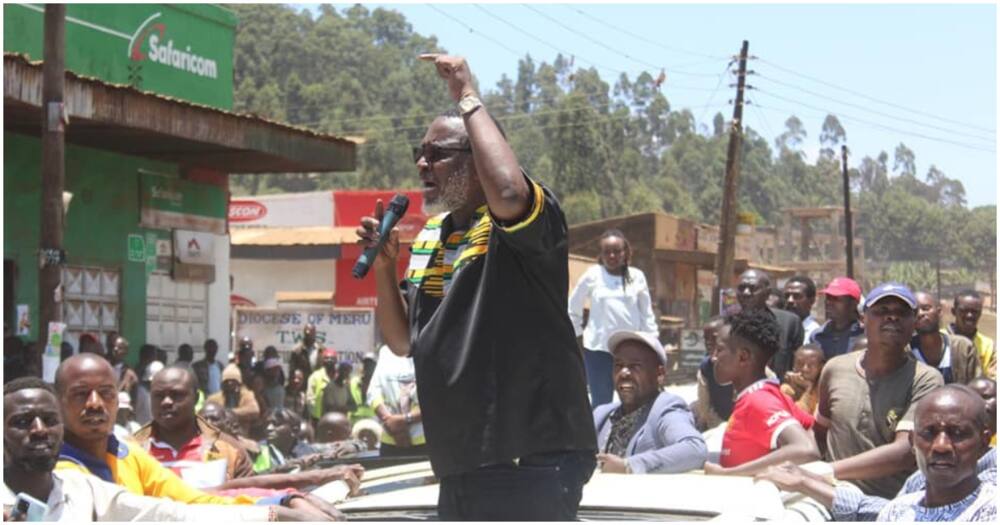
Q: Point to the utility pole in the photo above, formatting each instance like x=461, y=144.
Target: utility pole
x=848, y=221
x=53, y=169
x=727, y=226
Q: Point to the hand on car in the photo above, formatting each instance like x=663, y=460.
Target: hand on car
x=715, y=469
x=786, y=476
x=611, y=464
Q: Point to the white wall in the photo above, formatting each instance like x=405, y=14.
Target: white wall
x=258, y=280
x=218, y=299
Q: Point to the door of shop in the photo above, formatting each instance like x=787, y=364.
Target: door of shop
x=176, y=313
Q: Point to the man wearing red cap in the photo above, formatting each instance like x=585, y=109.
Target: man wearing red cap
x=318, y=381
x=842, y=329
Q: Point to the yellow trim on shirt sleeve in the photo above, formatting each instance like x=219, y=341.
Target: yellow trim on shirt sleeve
x=536, y=209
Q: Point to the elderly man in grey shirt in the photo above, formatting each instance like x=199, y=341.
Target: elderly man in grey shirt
x=648, y=430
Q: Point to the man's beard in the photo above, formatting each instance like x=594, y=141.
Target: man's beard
x=37, y=463
x=929, y=328
x=454, y=193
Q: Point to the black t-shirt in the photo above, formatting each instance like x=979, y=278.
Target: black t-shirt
x=498, y=370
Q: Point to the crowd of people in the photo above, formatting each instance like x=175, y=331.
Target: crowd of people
x=210, y=434
x=879, y=413
x=891, y=411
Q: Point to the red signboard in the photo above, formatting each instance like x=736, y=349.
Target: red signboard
x=246, y=211
x=349, y=207
x=360, y=292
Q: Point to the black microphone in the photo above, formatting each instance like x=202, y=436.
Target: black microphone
x=397, y=208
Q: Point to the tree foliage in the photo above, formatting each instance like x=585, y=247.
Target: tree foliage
x=606, y=146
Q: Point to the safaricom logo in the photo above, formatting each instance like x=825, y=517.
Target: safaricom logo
x=162, y=50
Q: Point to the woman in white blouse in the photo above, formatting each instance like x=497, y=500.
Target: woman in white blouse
x=619, y=300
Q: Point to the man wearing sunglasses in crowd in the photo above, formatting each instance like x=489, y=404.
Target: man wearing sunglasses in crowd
x=482, y=311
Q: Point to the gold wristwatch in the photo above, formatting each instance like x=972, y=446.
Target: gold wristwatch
x=468, y=104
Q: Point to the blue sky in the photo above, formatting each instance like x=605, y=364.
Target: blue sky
x=935, y=66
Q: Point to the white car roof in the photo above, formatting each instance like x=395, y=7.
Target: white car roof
x=725, y=498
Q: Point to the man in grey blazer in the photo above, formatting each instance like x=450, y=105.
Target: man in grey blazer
x=648, y=431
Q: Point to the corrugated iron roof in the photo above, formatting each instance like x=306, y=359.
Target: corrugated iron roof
x=303, y=297
x=306, y=236
x=124, y=119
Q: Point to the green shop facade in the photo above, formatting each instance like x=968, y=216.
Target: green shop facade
x=150, y=143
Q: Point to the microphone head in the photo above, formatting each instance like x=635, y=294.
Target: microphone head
x=399, y=204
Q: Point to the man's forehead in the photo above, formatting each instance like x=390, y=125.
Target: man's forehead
x=969, y=301
x=950, y=402
x=29, y=399
x=88, y=373
x=445, y=129
x=170, y=378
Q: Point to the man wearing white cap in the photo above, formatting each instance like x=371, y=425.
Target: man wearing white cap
x=125, y=423
x=648, y=430
x=867, y=399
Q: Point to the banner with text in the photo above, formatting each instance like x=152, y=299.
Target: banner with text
x=349, y=331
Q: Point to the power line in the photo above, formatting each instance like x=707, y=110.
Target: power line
x=647, y=40
x=882, y=126
x=508, y=105
x=589, y=38
x=873, y=99
x=544, y=42
x=887, y=115
x=763, y=119
x=722, y=76
x=518, y=116
x=583, y=122
x=471, y=30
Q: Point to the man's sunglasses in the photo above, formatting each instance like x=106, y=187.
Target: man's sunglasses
x=433, y=153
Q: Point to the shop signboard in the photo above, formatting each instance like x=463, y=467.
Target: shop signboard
x=184, y=51
x=297, y=210
x=351, y=331
x=173, y=203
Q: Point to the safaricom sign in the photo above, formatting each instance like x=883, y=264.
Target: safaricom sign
x=176, y=58
x=153, y=32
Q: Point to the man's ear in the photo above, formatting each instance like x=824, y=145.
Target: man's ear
x=661, y=375
x=744, y=355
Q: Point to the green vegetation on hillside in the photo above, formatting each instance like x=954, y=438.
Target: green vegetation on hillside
x=606, y=146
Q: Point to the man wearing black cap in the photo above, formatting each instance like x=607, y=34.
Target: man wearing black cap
x=866, y=399
x=648, y=430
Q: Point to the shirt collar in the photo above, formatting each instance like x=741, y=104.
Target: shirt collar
x=97, y=466
x=449, y=226
x=56, y=495
x=945, y=353
x=757, y=385
x=194, y=442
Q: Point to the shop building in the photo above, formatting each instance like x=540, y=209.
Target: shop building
x=150, y=141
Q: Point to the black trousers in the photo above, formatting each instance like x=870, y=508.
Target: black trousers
x=542, y=487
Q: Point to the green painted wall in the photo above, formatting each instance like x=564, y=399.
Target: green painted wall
x=115, y=43
x=104, y=210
